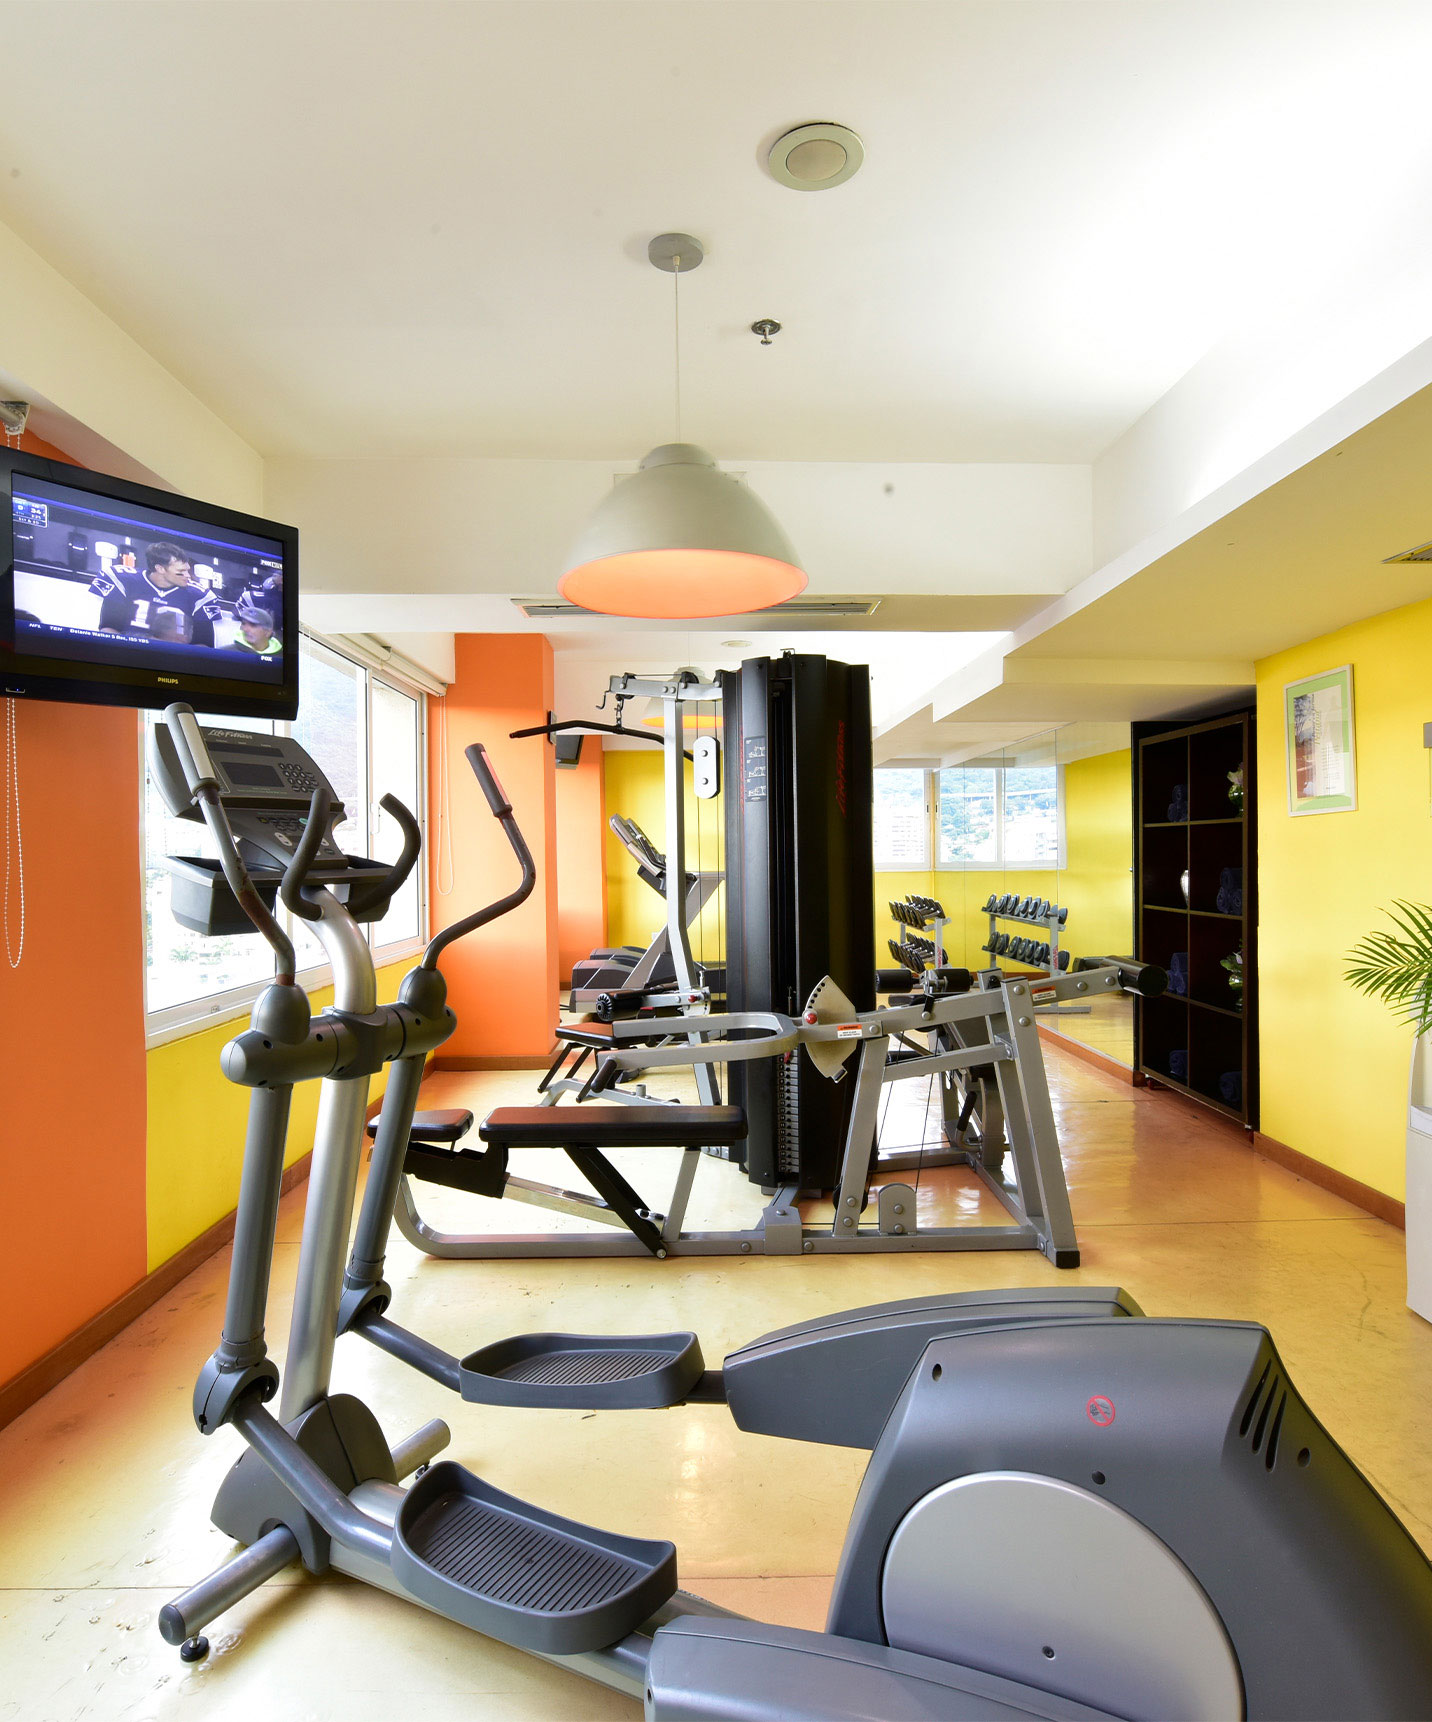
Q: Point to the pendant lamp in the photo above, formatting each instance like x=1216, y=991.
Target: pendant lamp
x=680, y=538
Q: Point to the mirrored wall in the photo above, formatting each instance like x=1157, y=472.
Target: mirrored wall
x=1027, y=847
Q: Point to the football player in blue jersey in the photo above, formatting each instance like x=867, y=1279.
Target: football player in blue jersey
x=161, y=601
x=264, y=592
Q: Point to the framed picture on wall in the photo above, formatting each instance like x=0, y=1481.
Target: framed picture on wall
x=1321, y=744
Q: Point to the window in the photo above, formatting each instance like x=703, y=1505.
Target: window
x=179, y=965
x=902, y=821
x=367, y=733
x=396, y=761
x=985, y=818
x=993, y=817
x=969, y=817
x=1030, y=816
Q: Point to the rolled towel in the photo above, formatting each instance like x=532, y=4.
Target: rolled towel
x=1229, y=900
x=1178, y=973
x=1178, y=1065
x=1230, y=1087
x=1178, y=806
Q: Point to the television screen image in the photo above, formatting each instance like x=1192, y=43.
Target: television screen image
x=109, y=583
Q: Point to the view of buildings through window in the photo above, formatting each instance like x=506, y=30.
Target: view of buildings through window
x=968, y=817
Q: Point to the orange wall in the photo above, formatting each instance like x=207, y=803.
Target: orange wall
x=72, y=1109
x=581, y=863
x=502, y=981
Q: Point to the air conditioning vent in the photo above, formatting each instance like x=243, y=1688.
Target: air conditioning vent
x=1418, y=553
x=554, y=609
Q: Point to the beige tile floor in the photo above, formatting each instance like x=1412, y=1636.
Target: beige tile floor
x=105, y=1486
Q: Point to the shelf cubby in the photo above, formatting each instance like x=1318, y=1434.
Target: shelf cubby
x=1214, y=1030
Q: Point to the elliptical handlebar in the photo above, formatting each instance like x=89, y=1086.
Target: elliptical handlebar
x=314, y=830
x=501, y=807
x=198, y=771
x=364, y=896
x=476, y=756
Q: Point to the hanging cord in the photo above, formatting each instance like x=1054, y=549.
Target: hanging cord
x=676, y=335
x=444, y=807
x=13, y=870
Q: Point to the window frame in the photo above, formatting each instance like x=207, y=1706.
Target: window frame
x=192, y=1016
x=1000, y=863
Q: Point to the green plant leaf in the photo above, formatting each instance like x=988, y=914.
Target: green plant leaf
x=1398, y=969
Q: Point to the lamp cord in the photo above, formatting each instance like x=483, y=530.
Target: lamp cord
x=676, y=334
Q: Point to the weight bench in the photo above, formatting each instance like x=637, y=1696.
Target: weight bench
x=582, y=1133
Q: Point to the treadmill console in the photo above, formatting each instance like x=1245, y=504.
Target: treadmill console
x=266, y=784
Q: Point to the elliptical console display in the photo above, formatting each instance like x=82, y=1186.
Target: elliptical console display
x=269, y=787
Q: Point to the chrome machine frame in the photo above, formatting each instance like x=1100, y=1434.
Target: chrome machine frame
x=998, y=1029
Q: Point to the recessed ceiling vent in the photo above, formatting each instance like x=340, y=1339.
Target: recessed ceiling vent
x=815, y=157
x=554, y=609
x=1418, y=553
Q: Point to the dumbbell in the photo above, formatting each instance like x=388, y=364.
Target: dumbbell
x=1064, y=959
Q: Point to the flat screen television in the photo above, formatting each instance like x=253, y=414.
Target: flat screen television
x=114, y=593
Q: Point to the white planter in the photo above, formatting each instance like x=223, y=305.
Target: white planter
x=1419, y=1179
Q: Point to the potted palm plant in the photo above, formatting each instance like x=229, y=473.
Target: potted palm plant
x=1396, y=967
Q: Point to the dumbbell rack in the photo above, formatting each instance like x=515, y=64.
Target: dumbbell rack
x=1033, y=912
x=922, y=915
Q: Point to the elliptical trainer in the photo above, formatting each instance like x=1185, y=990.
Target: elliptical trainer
x=1071, y=1512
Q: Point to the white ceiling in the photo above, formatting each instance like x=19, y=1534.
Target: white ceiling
x=360, y=228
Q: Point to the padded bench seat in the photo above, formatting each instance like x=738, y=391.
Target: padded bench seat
x=593, y=1034
x=446, y=1126
x=613, y=1126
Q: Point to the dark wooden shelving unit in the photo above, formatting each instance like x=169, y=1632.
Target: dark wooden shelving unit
x=1203, y=1034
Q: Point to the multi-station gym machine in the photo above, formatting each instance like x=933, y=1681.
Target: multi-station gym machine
x=800, y=945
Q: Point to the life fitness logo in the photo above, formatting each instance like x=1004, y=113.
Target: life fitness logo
x=1100, y=1410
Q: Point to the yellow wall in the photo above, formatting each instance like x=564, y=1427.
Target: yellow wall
x=634, y=788
x=196, y=1128
x=1334, y=1064
x=1097, y=883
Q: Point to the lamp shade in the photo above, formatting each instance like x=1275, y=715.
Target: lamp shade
x=681, y=538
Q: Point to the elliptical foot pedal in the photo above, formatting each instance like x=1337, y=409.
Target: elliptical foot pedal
x=585, y=1372
x=520, y=1574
